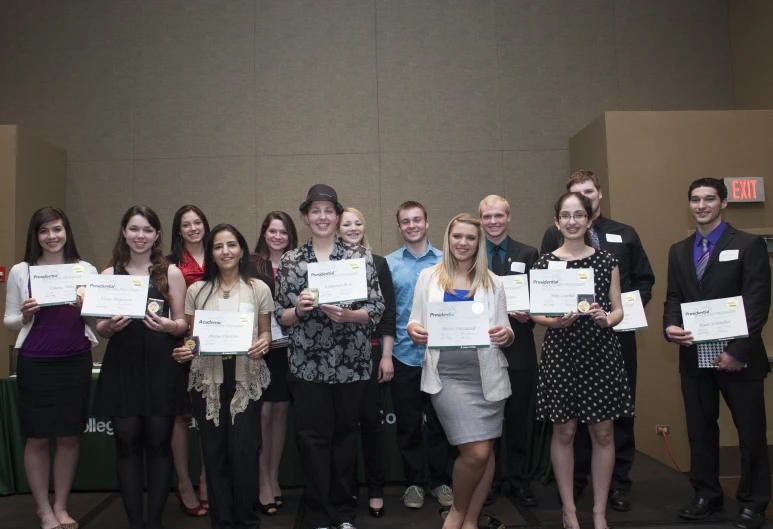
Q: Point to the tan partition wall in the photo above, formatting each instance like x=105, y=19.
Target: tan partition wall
x=647, y=161
x=32, y=175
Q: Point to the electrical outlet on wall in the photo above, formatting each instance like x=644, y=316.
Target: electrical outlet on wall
x=662, y=428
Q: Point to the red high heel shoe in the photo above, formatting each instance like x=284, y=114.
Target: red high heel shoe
x=199, y=511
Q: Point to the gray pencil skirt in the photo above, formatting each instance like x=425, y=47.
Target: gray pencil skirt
x=465, y=414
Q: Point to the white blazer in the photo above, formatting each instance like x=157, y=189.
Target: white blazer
x=493, y=364
x=17, y=293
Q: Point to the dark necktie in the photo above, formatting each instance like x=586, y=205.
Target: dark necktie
x=703, y=260
x=496, y=261
x=594, y=239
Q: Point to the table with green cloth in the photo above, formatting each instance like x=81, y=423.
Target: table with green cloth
x=96, y=467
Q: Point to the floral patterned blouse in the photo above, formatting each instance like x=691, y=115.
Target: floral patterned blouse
x=319, y=349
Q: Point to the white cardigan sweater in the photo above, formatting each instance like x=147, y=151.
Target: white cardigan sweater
x=17, y=293
x=493, y=364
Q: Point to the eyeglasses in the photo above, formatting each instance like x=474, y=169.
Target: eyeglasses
x=577, y=216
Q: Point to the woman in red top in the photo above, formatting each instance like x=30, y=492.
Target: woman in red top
x=190, y=230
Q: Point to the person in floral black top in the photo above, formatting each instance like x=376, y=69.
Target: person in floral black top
x=329, y=363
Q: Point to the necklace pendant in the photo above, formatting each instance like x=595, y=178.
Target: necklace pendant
x=226, y=295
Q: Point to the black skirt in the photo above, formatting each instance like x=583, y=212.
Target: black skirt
x=277, y=390
x=54, y=395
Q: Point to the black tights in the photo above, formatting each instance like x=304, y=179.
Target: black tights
x=154, y=435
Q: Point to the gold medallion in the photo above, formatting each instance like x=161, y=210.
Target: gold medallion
x=80, y=291
x=190, y=344
x=153, y=307
x=583, y=306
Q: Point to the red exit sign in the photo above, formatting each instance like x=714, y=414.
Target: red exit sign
x=745, y=189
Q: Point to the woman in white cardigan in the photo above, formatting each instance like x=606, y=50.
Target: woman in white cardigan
x=54, y=366
x=226, y=390
x=468, y=388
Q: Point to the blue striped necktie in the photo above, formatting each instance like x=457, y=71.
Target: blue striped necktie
x=594, y=237
x=703, y=260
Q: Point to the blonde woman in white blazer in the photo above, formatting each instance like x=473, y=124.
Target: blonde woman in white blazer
x=54, y=366
x=468, y=388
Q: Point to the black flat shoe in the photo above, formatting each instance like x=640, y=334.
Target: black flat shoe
x=525, y=497
x=700, y=508
x=270, y=509
x=748, y=519
x=376, y=513
x=618, y=501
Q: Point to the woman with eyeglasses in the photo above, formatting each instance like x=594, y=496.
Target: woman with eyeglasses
x=190, y=230
x=226, y=390
x=351, y=228
x=139, y=386
x=581, y=376
x=277, y=236
x=54, y=366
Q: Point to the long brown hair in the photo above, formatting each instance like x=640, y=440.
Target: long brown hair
x=42, y=216
x=262, y=251
x=122, y=254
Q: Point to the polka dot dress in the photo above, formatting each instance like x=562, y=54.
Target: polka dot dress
x=581, y=373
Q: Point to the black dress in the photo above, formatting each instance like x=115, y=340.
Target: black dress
x=581, y=374
x=139, y=376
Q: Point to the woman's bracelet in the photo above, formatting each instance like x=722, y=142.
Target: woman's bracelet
x=296, y=313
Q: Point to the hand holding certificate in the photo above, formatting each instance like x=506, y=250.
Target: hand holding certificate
x=457, y=325
x=55, y=284
x=715, y=319
x=114, y=295
x=338, y=282
x=517, y=292
x=556, y=292
x=223, y=332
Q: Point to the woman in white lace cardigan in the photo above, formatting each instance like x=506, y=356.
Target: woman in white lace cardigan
x=226, y=390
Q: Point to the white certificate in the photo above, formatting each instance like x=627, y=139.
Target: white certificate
x=223, y=332
x=517, y=292
x=276, y=331
x=457, y=325
x=341, y=281
x=56, y=284
x=111, y=295
x=555, y=292
x=634, y=317
x=715, y=319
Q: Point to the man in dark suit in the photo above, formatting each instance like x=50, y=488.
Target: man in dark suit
x=717, y=262
x=506, y=256
x=635, y=274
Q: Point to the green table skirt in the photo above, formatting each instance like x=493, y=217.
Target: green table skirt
x=96, y=467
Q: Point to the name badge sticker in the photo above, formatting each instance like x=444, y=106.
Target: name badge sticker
x=556, y=265
x=517, y=267
x=728, y=255
x=612, y=237
x=78, y=269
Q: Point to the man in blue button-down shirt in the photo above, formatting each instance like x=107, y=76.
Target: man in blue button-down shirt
x=409, y=402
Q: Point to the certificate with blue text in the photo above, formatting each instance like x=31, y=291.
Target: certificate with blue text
x=457, y=325
x=55, y=284
x=341, y=281
x=715, y=319
x=223, y=332
x=555, y=292
x=113, y=295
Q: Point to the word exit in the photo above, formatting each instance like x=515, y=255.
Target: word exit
x=745, y=189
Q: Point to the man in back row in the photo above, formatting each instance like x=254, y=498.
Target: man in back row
x=635, y=274
x=410, y=404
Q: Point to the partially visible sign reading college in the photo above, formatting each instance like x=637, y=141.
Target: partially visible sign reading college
x=750, y=189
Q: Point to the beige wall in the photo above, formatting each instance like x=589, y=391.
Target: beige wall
x=240, y=106
x=751, y=46
x=32, y=175
x=651, y=159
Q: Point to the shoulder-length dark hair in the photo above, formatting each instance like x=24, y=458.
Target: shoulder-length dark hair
x=178, y=243
x=33, y=251
x=586, y=204
x=211, y=271
x=122, y=254
x=262, y=251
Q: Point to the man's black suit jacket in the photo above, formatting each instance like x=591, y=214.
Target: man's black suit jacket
x=747, y=276
x=521, y=354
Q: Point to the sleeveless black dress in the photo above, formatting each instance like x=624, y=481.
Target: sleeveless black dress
x=139, y=376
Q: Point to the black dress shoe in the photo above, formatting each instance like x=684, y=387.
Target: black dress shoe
x=748, y=519
x=525, y=497
x=376, y=513
x=618, y=500
x=700, y=508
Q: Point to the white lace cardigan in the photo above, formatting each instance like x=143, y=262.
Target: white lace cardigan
x=252, y=376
